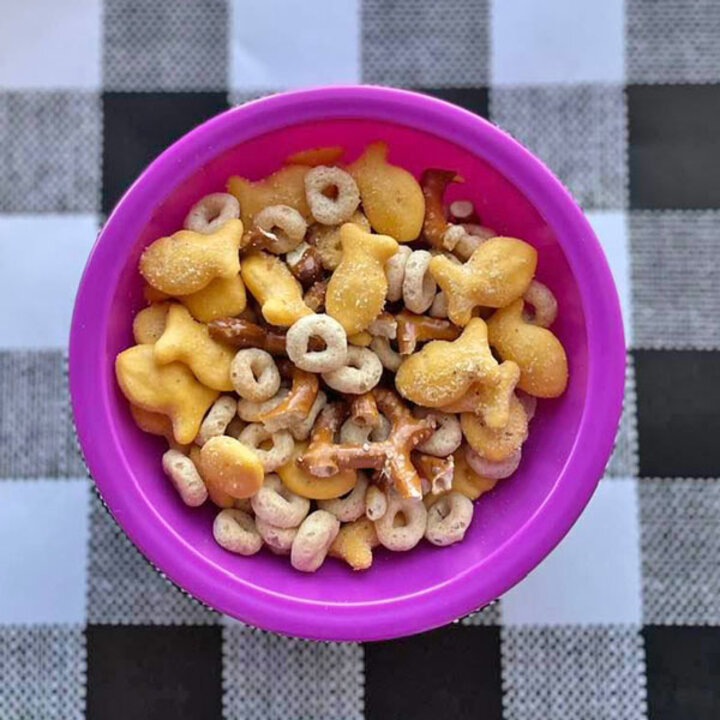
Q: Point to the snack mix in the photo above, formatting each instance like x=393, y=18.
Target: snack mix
x=338, y=359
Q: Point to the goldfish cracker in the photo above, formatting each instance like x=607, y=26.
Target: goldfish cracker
x=498, y=272
x=361, y=339
x=466, y=480
x=539, y=354
x=188, y=341
x=216, y=494
x=357, y=289
x=316, y=156
x=496, y=444
x=355, y=542
x=302, y=483
x=187, y=261
x=222, y=297
x=326, y=239
x=153, y=423
x=231, y=467
x=153, y=295
x=271, y=283
x=490, y=400
x=391, y=197
x=149, y=323
x=284, y=187
x=442, y=372
x=169, y=389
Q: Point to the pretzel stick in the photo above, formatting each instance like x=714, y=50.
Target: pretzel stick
x=433, y=183
x=412, y=329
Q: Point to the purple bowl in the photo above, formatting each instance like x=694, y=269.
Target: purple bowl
x=515, y=526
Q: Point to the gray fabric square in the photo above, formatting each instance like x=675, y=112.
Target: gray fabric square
x=489, y=615
x=675, y=258
x=425, y=43
x=165, y=45
x=42, y=672
x=679, y=521
x=672, y=41
x=123, y=587
x=49, y=151
x=579, y=131
x=624, y=459
x=269, y=676
x=36, y=432
x=568, y=672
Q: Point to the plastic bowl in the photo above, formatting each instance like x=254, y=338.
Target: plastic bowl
x=515, y=526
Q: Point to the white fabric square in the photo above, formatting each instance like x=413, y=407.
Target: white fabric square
x=286, y=43
x=44, y=534
x=46, y=44
x=41, y=281
x=562, y=41
x=611, y=228
x=593, y=576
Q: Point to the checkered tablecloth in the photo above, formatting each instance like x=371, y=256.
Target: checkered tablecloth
x=621, y=100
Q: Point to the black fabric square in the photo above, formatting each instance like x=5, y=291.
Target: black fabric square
x=139, y=126
x=674, y=146
x=683, y=672
x=678, y=416
x=143, y=671
x=474, y=99
x=453, y=672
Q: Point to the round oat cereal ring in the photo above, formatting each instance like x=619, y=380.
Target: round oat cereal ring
x=329, y=210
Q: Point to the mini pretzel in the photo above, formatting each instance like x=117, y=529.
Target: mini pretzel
x=491, y=398
x=314, y=298
x=364, y=410
x=279, y=540
x=388, y=357
x=328, y=210
x=184, y=476
x=297, y=404
x=324, y=458
x=419, y=288
x=543, y=301
x=313, y=540
x=395, y=272
x=493, y=469
x=209, y=213
x=433, y=183
x=437, y=471
x=418, y=328
x=235, y=531
x=302, y=429
x=361, y=372
x=217, y=419
x=254, y=375
x=254, y=435
x=497, y=273
x=305, y=264
x=351, y=433
x=375, y=503
x=329, y=331
x=279, y=506
x=447, y=436
x=384, y=325
x=240, y=333
x=277, y=229
x=251, y=411
x=349, y=507
x=402, y=537
x=448, y=519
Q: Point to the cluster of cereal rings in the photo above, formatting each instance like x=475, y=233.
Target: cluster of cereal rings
x=356, y=398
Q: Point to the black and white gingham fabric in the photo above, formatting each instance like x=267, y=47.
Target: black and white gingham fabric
x=621, y=99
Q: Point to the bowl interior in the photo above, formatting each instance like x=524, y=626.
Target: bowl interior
x=499, y=514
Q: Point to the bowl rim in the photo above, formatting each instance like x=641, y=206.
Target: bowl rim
x=520, y=553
